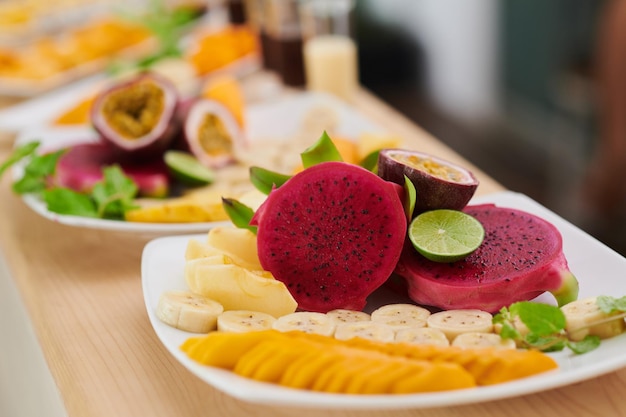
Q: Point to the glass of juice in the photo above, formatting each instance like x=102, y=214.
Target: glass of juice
x=330, y=53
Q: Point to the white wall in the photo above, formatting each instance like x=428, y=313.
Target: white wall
x=460, y=41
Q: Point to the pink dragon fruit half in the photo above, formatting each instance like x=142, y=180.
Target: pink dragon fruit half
x=333, y=234
x=520, y=258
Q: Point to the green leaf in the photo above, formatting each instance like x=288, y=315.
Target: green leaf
x=239, y=214
x=264, y=180
x=114, y=194
x=69, y=202
x=18, y=154
x=541, y=319
x=37, y=172
x=608, y=304
x=508, y=331
x=588, y=344
x=410, y=197
x=545, y=343
x=323, y=150
x=370, y=162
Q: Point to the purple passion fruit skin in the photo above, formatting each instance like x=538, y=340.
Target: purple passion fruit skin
x=212, y=133
x=139, y=115
x=439, y=184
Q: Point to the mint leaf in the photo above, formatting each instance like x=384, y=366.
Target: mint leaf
x=18, y=154
x=114, y=194
x=610, y=305
x=69, y=202
x=588, y=344
x=553, y=343
x=541, y=319
x=508, y=331
x=37, y=172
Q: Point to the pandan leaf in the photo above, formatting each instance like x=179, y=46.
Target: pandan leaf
x=323, y=150
x=265, y=180
x=410, y=198
x=370, y=162
x=239, y=213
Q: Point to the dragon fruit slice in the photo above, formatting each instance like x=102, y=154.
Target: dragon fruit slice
x=520, y=258
x=80, y=167
x=333, y=233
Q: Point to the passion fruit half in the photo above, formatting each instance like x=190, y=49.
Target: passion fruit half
x=138, y=115
x=212, y=133
x=439, y=184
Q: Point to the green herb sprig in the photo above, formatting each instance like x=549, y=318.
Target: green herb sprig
x=546, y=325
x=109, y=198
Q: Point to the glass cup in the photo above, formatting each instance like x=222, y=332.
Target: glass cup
x=330, y=53
x=283, y=43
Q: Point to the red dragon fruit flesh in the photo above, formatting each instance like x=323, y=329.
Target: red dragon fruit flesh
x=520, y=258
x=333, y=234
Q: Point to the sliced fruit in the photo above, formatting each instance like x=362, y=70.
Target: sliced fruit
x=238, y=288
x=187, y=169
x=348, y=316
x=187, y=311
x=80, y=167
x=455, y=322
x=445, y=235
x=238, y=244
x=440, y=184
x=177, y=210
x=241, y=321
x=212, y=134
x=473, y=340
x=370, y=330
x=226, y=89
x=307, y=322
x=400, y=316
x=584, y=317
x=137, y=115
x=422, y=336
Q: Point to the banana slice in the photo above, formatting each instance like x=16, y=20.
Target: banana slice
x=187, y=311
x=307, y=322
x=366, y=330
x=400, y=316
x=473, y=340
x=454, y=322
x=422, y=336
x=241, y=321
x=348, y=316
x=580, y=316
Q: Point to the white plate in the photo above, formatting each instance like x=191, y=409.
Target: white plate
x=598, y=268
x=272, y=120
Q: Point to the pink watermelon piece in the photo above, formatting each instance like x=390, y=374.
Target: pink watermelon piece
x=520, y=258
x=333, y=233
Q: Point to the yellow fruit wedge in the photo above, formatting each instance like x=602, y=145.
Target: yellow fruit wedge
x=239, y=244
x=178, y=210
x=237, y=288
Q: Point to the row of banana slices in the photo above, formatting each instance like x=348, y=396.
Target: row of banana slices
x=406, y=323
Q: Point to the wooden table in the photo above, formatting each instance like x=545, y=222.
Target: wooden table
x=82, y=293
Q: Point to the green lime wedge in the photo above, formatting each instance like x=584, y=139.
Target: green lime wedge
x=445, y=235
x=187, y=169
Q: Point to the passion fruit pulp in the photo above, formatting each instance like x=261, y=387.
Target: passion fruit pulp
x=212, y=133
x=137, y=115
x=439, y=184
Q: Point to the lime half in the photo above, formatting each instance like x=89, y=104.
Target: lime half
x=445, y=235
x=187, y=169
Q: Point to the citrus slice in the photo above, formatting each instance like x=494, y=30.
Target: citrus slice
x=445, y=235
x=187, y=169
